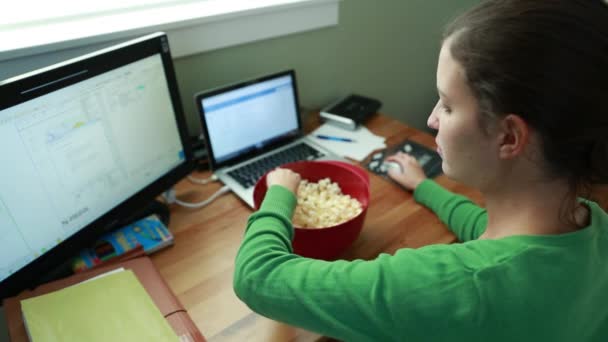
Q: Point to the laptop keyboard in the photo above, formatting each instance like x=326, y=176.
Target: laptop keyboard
x=248, y=174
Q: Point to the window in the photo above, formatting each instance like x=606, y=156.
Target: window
x=31, y=12
x=31, y=27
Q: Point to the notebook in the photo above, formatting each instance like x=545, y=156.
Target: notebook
x=115, y=307
x=252, y=127
x=146, y=273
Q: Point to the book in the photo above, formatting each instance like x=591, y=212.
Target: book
x=148, y=233
x=115, y=307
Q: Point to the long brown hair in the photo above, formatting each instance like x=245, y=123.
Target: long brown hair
x=547, y=61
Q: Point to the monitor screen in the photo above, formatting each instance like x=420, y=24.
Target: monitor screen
x=233, y=117
x=82, y=144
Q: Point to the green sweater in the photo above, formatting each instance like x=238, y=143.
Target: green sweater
x=518, y=288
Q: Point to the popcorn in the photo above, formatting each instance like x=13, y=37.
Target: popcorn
x=322, y=204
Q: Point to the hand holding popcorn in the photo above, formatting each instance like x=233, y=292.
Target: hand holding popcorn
x=284, y=177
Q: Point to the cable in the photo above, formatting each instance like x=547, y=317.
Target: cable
x=204, y=181
x=170, y=197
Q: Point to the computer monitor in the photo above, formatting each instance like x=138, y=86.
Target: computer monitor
x=83, y=144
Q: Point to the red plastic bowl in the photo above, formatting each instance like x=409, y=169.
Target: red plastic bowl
x=326, y=243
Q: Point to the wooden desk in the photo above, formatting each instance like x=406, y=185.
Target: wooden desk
x=199, y=267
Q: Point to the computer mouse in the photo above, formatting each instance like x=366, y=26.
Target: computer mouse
x=388, y=165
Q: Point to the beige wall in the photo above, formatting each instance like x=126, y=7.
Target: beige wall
x=384, y=48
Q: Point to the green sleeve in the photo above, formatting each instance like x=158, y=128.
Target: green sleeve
x=463, y=217
x=389, y=298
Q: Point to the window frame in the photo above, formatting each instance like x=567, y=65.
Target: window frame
x=192, y=27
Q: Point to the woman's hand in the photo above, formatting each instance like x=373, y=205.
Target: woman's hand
x=285, y=178
x=412, y=174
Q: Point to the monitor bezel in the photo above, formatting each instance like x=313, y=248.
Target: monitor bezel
x=46, y=80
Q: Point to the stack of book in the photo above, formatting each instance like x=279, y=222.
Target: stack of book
x=112, y=307
x=129, y=302
x=149, y=234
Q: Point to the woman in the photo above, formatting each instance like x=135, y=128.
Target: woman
x=521, y=117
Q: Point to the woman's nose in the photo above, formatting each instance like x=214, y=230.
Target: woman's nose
x=433, y=121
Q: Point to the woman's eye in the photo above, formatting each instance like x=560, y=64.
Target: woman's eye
x=443, y=107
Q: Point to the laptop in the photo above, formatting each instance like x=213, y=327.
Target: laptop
x=252, y=127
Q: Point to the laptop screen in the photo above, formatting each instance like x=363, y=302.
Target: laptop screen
x=246, y=118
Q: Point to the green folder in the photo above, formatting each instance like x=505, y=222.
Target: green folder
x=114, y=307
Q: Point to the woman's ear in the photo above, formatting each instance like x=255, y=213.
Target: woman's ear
x=514, y=136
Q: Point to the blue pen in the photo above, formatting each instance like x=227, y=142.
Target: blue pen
x=329, y=137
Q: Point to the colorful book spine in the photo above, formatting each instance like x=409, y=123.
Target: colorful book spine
x=149, y=233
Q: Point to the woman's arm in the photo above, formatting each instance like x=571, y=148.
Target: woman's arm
x=389, y=298
x=463, y=217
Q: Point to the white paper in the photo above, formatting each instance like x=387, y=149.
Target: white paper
x=120, y=269
x=364, y=141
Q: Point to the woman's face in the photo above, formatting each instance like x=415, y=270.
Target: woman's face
x=469, y=154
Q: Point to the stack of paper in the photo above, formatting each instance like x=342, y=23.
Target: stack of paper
x=362, y=143
x=115, y=307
